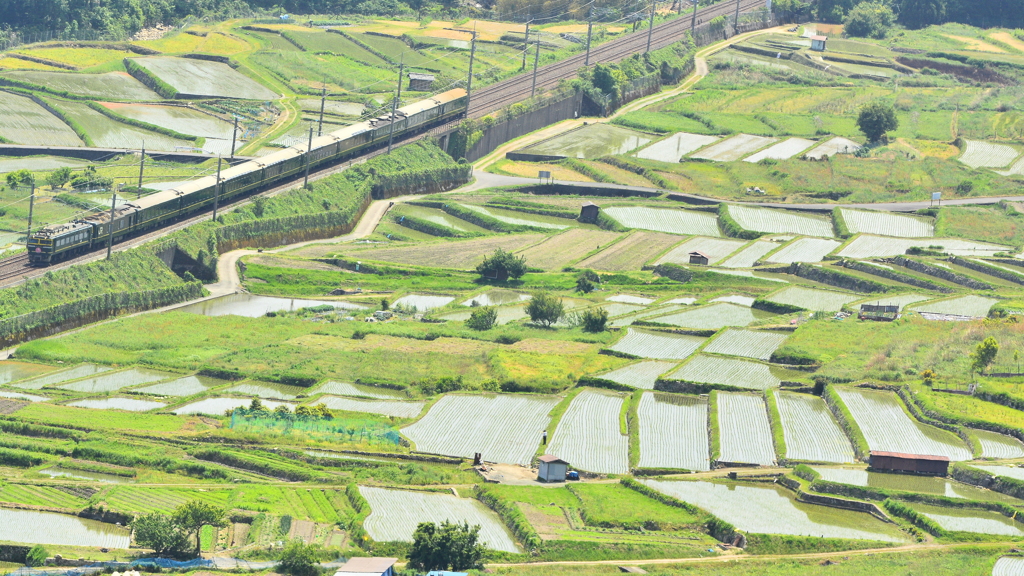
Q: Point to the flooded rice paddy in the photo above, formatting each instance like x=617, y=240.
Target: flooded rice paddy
x=63, y=376
x=129, y=404
x=186, y=386
x=256, y=306
x=32, y=527
x=111, y=381
x=912, y=483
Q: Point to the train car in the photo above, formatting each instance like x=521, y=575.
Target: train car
x=54, y=243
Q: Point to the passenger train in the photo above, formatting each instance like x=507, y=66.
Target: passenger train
x=59, y=241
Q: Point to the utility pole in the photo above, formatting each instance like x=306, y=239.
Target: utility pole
x=650, y=27
x=526, y=42
x=536, y=59
x=590, y=29
x=323, y=101
x=736, y=20
x=693, y=21
x=31, y=203
x=142, y=167
x=309, y=148
x=110, y=237
x=234, y=134
x=469, y=80
x=394, y=105
x=216, y=189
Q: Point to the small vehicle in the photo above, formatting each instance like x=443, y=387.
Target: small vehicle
x=572, y=475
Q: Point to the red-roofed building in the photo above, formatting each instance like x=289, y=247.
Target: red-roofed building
x=916, y=463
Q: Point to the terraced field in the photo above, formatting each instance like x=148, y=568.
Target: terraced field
x=710, y=317
x=639, y=375
x=734, y=148
x=746, y=343
x=111, y=85
x=887, y=427
x=503, y=428
x=995, y=445
x=657, y=345
x=771, y=221
x=673, y=148
x=979, y=154
x=588, y=434
x=746, y=434
x=385, y=407
x=461, y=254
x=970, y=305
x=901, y=300
x=673, y=431
x=867, y=246
x=665, y=220
x=813, y=300
x=40, y=496
x=25, y=122
x=204, y=78
x=749, y=256
x=833, y=146
x=714, y=248
x=804, y=250
x=727, y=372
x=783, y=150
x=887, y=224
x=52, y=378
x=563, y=249
x=630, y=253
x=810, y=431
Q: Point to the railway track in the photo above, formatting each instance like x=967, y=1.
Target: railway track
x=488, y=99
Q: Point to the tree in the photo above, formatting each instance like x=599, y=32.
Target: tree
x=921, y=13
x=282, y=410
x=256, y=405
x=482, y=318
x=594, y=319
x=876, y=119
x=502, y=265
x=161, y=533
x=20, y=178
x=586, y=280
x=544, y=309
x=929, y=377
x=194, y=514
x=869, y=20
x=322, y=411
x=59, y=177
x=446, y=547
x=384, y=304
x=36, y=556
x=304, y=411
x=984, y=355
x=300, y=559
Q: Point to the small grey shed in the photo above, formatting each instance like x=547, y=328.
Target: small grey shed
x=551, y=469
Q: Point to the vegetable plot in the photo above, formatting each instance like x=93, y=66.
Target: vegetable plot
x=810, y=430
x=746, y=343
x=563, y=249
x=657, y=345
x=970, y=305
x=714, y=248
x=979, y=154
x=804, y=250
x=673, y=148
x=665, y=220
x=770, y=221
x=396, y=513
x=746, y=434
x=630, y=253
x=837, y=145
x=727, y=372
x=673, y=431
x=887, y=427
x=503, y=428
x=1009, y=566
x=639, y=375
x=588, y=434
x=886, y=224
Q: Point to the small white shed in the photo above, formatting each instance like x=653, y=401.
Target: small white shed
x=551, y=469
x=818, y=43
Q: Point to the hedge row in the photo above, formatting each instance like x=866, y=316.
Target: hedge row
x=38, y=430
x=893, y=275
x=587, y=170
x=846, y=421
x=139, y=123
x=149, y=79
x=432, y=228
x=481, y=220
x=914, y=517
x=775, y=419
x=19, y=458
x=775, y=307
x=835, y=278
x=292, y=474
x=842, y=229
x=986, y=268
x=66, y=118
x=533, y=208
x=655, y=178
x=511, y=515
x=942, y=274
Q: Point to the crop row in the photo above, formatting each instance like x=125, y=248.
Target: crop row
x=746, y=343
x=886, y=224
x=656, y=345
x=588, y=435
x=745, y=431
x=810, y=430
x=804, y=250
x=664, y=220
x=771, y=221
x=727, y=372
x=710, y=317
x=673, y=431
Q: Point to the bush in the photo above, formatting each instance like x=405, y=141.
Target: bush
x=545, y=309
x=502, y=265
x=300, y=559
x=36, y=556
x=869, y=20
x=594, y=320
x=482, y=318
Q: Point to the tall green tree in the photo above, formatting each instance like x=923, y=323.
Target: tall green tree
x=545, y=309
x=869, y=20
x=449, y=546
x=300, y=559
x=921, y=13
x=984, y=355
x=501, y=265
x=875, y=119
x=482, y=318
x=161, y=533
x=194, y=514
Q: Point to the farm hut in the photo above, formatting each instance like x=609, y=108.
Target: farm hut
x=589, y=212
x=551, y=469
x=818, y=43
x=368, y=567
x=698, y=257
x=916, y=463
x=419, y=82
x=446, y=573
x=882, y=313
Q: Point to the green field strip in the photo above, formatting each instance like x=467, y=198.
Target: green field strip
x=668, y=249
